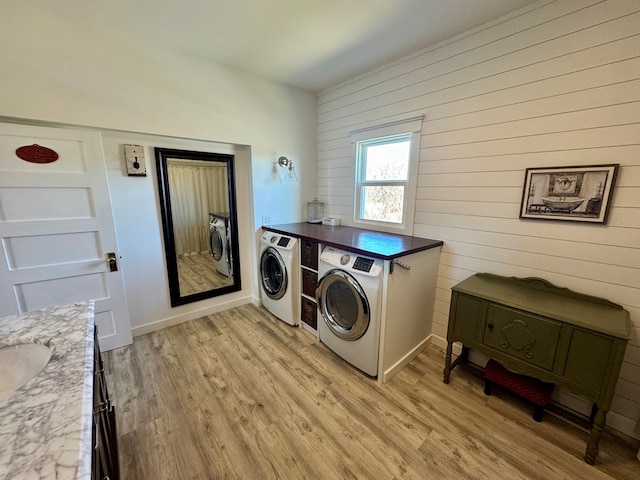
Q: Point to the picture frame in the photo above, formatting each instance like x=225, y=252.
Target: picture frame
x=580, y=193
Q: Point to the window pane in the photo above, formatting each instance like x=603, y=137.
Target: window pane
x=383, y=204
x=388, y=161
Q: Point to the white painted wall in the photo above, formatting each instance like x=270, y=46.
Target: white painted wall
x=66, y=73
x=557, y=83
x=143, y=262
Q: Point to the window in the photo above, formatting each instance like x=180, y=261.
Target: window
x=385, y=176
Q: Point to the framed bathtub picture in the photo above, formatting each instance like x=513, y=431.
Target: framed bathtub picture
x=580, y=194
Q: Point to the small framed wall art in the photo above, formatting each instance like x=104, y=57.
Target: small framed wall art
x=580, y=194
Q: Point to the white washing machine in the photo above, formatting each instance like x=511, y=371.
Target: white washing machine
x=349, y=296
x=219, y=243
x=278, y=267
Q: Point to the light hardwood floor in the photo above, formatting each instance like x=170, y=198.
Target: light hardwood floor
x=197, y=273
x=242, y=395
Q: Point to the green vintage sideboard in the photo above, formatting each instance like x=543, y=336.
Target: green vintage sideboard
x=535, y=328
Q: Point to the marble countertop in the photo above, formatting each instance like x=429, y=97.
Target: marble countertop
x=45, y=426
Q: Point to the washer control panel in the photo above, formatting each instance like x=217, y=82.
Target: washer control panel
x=284, y=241
x=281, y=242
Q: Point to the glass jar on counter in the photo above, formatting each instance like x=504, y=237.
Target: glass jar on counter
x=315, y=211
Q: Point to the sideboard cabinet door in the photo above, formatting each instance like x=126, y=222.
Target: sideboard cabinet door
x=468, y=310
x=588, y=358
x=522, y=335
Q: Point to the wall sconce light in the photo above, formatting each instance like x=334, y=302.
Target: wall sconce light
x=290, y=174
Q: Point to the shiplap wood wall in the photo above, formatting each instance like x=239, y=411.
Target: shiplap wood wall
x=556, y=83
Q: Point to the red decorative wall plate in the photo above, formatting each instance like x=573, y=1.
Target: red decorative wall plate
x=36, y=154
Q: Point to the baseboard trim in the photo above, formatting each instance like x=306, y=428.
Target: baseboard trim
x=171, y=321
x=400, y=364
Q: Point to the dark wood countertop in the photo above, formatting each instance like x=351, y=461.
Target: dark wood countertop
x=385, y=246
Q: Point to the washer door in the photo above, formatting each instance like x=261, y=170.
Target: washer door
x=273, y=274
x=216, y=243
x=343, y=304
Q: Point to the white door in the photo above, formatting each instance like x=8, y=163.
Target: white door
x=56, y=227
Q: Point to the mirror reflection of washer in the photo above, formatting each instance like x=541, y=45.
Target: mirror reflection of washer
x=349, y=296
x=278, y=267
x=219, y=243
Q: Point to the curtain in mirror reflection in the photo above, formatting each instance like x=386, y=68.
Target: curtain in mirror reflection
x=195, y=192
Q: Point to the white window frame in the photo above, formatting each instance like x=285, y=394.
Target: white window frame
x=412, y=127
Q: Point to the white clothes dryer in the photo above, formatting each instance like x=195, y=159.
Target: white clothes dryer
x=349, y=296
x=278, y=267
x=219, y=243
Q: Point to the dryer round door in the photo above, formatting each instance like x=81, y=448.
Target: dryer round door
x=343, y=304
x=273, y=274
x=216, y=243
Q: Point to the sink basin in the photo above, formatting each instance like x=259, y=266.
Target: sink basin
x=19, y=364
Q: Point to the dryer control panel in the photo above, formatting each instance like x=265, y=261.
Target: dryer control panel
x=350, y=262
x=363, y=264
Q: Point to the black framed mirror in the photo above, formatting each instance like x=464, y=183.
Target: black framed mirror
x=199, y=222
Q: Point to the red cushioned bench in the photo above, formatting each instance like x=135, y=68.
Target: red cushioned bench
x=532, y=389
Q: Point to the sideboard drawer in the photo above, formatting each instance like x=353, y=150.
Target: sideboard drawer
x=522, y=335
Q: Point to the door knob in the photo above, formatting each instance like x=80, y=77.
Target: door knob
x=112, y=261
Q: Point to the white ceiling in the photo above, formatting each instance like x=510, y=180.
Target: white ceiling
x=310, y=44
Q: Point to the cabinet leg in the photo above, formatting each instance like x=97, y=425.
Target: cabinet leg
x=449, y=365
x=487, y=387
x=594, y=438
x=447, y=362
x=537, y=413
x=464, y=355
